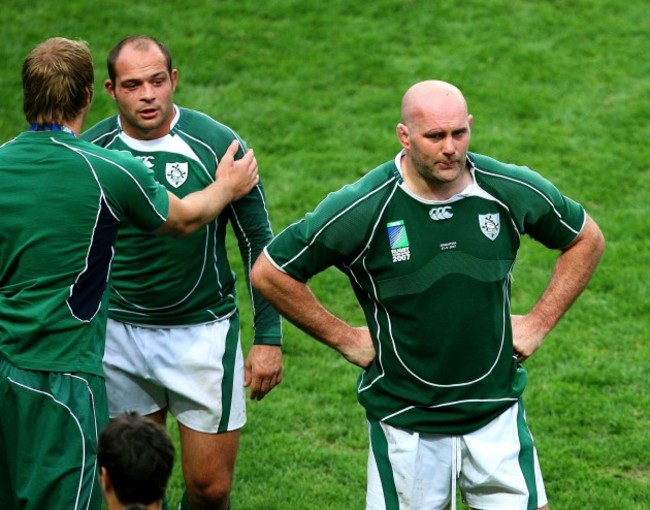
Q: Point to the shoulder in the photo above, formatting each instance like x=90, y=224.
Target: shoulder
x=359, y=202
x=503, y=177
x=102, y=132
x=202, y=126
x=372, y=184
x=100, y=157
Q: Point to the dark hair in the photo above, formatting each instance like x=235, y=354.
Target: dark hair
x=140, y=42
x=138, y=456
x=57, y=81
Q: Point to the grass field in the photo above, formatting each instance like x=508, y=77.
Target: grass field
x=561, y=86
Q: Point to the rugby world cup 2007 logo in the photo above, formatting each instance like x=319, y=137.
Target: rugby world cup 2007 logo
x=399, y=241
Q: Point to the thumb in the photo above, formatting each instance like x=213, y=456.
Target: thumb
x=248, y=374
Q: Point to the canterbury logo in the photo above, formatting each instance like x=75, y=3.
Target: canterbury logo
x=440, y=213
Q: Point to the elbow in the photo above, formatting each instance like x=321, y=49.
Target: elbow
x=256, y=274
x=597, y=239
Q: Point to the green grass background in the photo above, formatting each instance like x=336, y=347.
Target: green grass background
x=314, y=86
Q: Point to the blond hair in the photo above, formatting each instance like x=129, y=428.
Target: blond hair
x=58, y=79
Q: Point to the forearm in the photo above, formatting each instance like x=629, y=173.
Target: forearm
x=195, y=210
x=295, y=301
x=571, y=274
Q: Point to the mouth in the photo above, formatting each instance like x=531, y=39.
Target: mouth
x=446, y=165
x=148, y=113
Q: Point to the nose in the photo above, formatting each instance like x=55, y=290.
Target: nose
x=449, y=147
x=148, y=92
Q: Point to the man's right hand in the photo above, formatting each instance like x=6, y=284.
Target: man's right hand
x=237, y=178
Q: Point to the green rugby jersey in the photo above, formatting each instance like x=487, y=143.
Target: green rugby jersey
x=62, y=200
x=173, y=282
x=433, y=280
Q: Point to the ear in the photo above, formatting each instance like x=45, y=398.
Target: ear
x=108, y=85
x=89, y=96
x=174, y=79
x=105, y=480
x=403, y=135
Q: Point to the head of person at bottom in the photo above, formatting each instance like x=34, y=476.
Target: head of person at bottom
x=135, y=458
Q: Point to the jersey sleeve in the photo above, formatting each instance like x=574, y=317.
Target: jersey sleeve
x=133, y=193
x=538, y=207
x=252, y=227
x=334, y=234
x=251, y=224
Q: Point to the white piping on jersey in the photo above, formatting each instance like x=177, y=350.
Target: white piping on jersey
x=249, y=249
x=76, y=420
x=167, y=143
x=448, y=404
x=374, y=298
x=208, y=173
x=85, y=268
x=536, y=190
x=476, y=190
x=114, y=133
x=102, y=196
x=83, y=153
x=334, y=218
x=182, y=299
x=504, y=310
x=217, y=318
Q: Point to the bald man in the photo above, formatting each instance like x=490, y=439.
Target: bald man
x=428, y=241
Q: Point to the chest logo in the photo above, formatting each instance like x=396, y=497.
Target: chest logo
x=399, y=241
x=176, y=173
x=440, y=213
x=147, y=160
x=490, y=225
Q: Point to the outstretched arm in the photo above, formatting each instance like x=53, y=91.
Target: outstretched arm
x=297, y=303
x=233, y=180
x=572, y=272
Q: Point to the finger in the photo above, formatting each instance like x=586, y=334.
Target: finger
x=232, y=149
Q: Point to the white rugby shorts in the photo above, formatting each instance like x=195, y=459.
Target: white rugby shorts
x=197, y=372
x=495, y=467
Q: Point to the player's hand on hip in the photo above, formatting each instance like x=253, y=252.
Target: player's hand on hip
x=240, y=176
x=263, y=370
x=526, y=336
x=359, y=350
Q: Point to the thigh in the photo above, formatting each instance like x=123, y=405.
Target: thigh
x=208, y=458
x=500, y=468
x=206, y=383
x=49, y=427
x=407, y=469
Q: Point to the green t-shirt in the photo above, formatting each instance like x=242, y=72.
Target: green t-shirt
x=173, y=282
x=433, y=280
x=62, y=200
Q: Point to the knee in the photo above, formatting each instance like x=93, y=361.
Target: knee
x=207, y=489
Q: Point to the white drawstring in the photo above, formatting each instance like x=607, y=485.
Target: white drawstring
x=455, y=468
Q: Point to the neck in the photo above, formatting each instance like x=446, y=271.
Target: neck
x=432, y=187
x=73, y=127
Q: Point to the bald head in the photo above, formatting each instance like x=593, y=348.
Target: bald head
x=430, y=97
